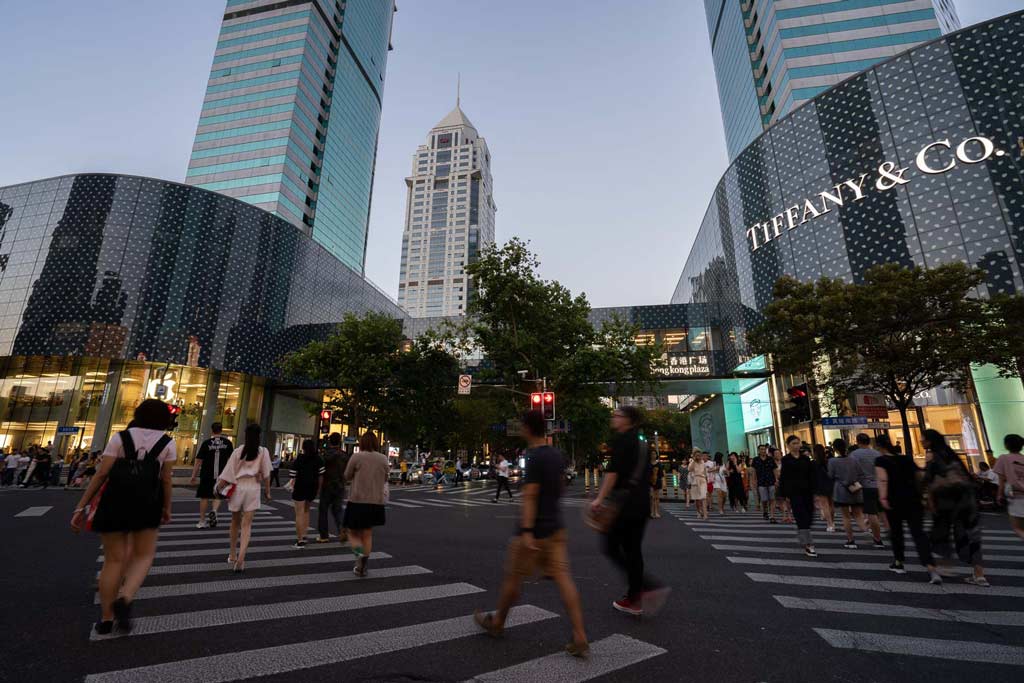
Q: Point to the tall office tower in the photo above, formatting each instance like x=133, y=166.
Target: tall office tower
x=291, y=114
x=449, y=218
x=772, y=55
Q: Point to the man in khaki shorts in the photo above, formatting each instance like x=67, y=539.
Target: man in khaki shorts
x=540, y=542
x=1010, y=468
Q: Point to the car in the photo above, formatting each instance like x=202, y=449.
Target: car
x=485, y=471
x=473, y=473
x=394, y=475
x=415, y=475
x=570, y=474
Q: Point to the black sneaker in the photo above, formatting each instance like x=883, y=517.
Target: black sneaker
x=123, y=615
x=211, y=518
x=809, y=551
x=878, y=544
x=850, y=545
x=103, y=628
x=897, y=568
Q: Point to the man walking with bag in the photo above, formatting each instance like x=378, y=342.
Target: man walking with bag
x=332, y=491
x=626, y=486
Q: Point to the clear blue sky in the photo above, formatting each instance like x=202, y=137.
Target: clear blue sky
x=601, y=115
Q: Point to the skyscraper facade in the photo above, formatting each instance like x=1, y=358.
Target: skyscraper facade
x=771, y=56
x=449, y=218
x=292, y=111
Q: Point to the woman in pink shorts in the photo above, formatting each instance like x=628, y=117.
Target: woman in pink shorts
x=248, y=469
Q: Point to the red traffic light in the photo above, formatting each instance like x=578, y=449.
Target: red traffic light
x=549, y=397
x=174, y=410
x=535, y=399
x=325, y=415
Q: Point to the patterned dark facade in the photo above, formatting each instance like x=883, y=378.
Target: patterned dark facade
x=969, y=84
x=123, y=267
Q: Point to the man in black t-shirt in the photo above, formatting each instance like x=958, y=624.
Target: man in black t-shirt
x=212, y=456
x=332, y=493
x=630, y=474
x=540, y=540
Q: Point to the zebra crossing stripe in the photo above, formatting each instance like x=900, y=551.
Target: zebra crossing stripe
x=188, y=621
x=223, y=530
x=838, y=541
x=936, y=648
x=292, y=657
x=220, y=539
x=300, y=558
x=990, y=618
x=887, y=586
x=403, y=504
x=996, y=535
x=606, y=655
x=210, y=552
x=841, y=551
x=37, y=511
x=862, y=566
x=204, y=587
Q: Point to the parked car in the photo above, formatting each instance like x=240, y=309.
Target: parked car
x=394, y=475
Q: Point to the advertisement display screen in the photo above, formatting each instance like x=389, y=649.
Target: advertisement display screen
x=757, y=408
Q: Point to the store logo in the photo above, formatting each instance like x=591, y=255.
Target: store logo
x=934, y=159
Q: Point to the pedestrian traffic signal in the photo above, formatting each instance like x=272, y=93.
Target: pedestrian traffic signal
x=535, y=401
x=801, y=410
x=549, y=405
x=325, y=421
x=175, y=411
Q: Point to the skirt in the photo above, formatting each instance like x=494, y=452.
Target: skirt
x=363, y=516
x=246, y=497
x=119, y=514
x=304, y=492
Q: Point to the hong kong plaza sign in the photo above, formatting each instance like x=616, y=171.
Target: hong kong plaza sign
x=935, y=158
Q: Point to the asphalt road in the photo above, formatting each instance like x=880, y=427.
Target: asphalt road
x=746, y=606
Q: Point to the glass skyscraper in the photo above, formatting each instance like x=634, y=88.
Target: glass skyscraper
x=771, y=56
x=292, y=111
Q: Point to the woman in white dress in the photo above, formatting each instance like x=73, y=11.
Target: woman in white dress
x=247, y=469
x=698, y=476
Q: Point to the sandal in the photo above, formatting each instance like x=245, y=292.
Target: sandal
x=979, y=581
x=486, y=622
x=581, y=650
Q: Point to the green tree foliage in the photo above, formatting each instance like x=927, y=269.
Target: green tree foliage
x=901, y=331
x=673, y=427
x=418, y=406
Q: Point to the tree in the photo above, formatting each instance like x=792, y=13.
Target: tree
x=1004, y=343
x=901, y=331
x=672, y=426
x=418, y=406
x=358, y=360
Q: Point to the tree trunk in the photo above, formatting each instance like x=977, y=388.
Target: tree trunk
x=908, y=443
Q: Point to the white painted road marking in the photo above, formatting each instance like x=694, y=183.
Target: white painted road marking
x=37, y=511
x=606, y=655
x=842, y=551
x=961, y=650
x=403, y=505
x=300, y=558
x=887, y=586
x=210, y=552
x=223, y=539
x=223, y=523
x=177, y=589
x=223, y=530
x=1016, y=547
x=291, y=657
x=862, y=566
x=991, y=618
x=188, y=621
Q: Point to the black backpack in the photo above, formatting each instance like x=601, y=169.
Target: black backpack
x=135, y=481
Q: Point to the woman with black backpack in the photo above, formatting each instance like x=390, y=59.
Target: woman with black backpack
x=135, y=474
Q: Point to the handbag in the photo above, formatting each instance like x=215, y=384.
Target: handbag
x=611, y=508
x=855, y=487
x=93, y=506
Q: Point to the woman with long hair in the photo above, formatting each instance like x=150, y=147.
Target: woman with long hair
x=846, y=492
x=781, y=501
x=137, y=465
x=697, y=473
x=367, y=471
x=734, y=481
x=719, y=484
x=953, y=505
x=823, y=487
x=248, y=468
x=309, y=472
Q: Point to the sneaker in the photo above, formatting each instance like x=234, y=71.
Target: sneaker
x=773, y=521
x=934, y=578
x=654, y=599
x=809, y=551
x=123, y=615
x=877, y=543
x=628, y=606
x=323, y=540
x=486, y=622
x=979, y=581
x=212, y=519
x=850, y=545
x=200, y=524
x=360, y=568
x=897, y=568
x=299, y=544
x=830, y=529
x=581, y=650
x=103, y=628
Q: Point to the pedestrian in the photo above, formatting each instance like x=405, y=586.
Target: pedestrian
x=797, y=484
x=247, y=470
x=628, y=474
x=954, y=507
x=211, y=459
x=865, y=456
x=1010, y=470
x=24, y=463
x=136, y=467
x=781, y=502
x=900, y=498
x=458, y=472
x=720, y=484
x=367, y=471
x=657, y=481
x=764, y=467
x=684, y=480
x=540, y=541
x=750, y=474
x=404, y=469
x=275, y=470
x=309, y=473
x=502, y=478
x=332, y=490
x=39, y=469
x=76, y=461
x=11, y=463
x=734, y=481
x=697, y=476
x=846, y=491
x=823, y=488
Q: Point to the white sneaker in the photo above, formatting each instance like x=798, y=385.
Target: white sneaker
x=830, y=529
x=200, y=524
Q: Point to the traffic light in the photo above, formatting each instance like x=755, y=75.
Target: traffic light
x=549, y=405
x=535, y=401
x=325, y=421
x=801, y=410
x=175, y=411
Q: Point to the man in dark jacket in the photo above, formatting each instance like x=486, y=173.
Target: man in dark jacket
x=332, y=493
x=797, y=481
x=630, y=472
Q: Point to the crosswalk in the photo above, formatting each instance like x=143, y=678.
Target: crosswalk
x=838, y=587
x=478, y=494
x=191, y=596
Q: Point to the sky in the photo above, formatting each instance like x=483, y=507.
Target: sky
x=601, y=116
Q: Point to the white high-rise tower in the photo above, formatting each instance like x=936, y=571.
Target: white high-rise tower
x=449, y=218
